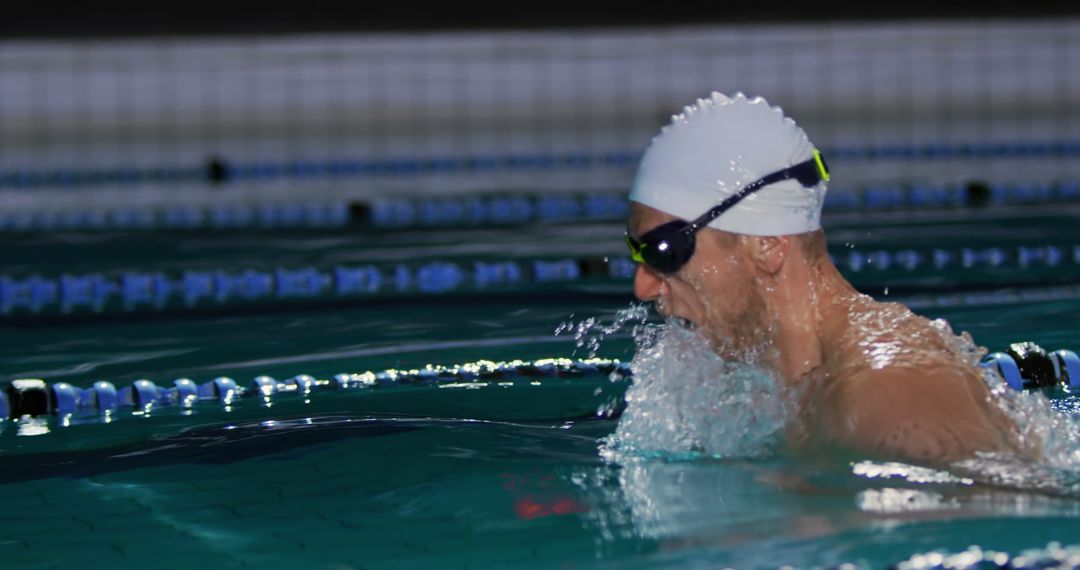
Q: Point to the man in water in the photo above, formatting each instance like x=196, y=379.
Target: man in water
x=725, y=225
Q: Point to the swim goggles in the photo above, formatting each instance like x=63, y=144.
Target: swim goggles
x=669, y=246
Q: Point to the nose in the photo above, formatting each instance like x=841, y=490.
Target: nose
x=647, y=283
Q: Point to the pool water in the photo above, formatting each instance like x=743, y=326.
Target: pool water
x=513, y=479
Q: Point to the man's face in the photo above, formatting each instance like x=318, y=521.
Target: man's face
x=715, y=291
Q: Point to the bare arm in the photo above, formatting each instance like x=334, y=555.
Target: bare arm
x=936, y=415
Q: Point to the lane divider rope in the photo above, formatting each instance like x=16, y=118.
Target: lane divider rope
x=98, y=292
x=493, y=209
x=220, y=170
x=102, y=401
x=1023, y=365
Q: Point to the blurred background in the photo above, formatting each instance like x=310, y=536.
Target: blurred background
x=167, y=124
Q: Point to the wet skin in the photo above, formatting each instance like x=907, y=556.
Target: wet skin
x=868, y=377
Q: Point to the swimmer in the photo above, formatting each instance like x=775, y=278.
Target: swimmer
x=725, y=224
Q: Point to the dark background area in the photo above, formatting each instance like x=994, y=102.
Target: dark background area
x=42, y=19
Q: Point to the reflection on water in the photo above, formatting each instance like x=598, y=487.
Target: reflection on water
x=760, y=513
x=890, y=501
x=909, y=473
x=657, y=499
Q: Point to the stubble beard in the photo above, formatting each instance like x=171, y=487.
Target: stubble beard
x=746, y=333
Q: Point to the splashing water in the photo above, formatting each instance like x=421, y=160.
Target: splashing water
x=1056, y=469
x=687, y=405
x=1055, y=434
x=686, y=401
x=590, y=333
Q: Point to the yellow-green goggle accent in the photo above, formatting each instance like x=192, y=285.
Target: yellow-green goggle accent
x=635, y=249
x=820, y=164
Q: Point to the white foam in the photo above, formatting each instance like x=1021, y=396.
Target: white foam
x=686, y=399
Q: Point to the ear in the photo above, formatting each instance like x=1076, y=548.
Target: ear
x=768, y=253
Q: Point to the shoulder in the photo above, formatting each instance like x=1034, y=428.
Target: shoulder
x=936, y=413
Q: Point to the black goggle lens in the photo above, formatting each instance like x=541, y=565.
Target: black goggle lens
x=665, y=248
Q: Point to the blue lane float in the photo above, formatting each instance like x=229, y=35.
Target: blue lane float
x=100, y=398
x=301, y=215
x=1026, y=365
x=140, y=394
x=183, y=393
x=132, y=291
x=1006, y=367
x=573, y=388
x=36, y=397
x=1067, y=368
x=65, y=398
x=497, y=210
x=219, y=171
x=222, y=389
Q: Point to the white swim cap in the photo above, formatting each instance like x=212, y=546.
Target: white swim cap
x=716, y=147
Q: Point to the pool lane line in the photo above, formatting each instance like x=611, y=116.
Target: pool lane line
x=34, y=296
x=497, y=209
x=221, y=170
x=30, y=407
x=399, y=348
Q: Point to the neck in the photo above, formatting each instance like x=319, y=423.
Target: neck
x=801, y=297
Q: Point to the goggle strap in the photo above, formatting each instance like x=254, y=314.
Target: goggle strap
x=817, y=163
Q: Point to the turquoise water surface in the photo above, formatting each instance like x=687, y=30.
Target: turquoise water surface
x=493, y=477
